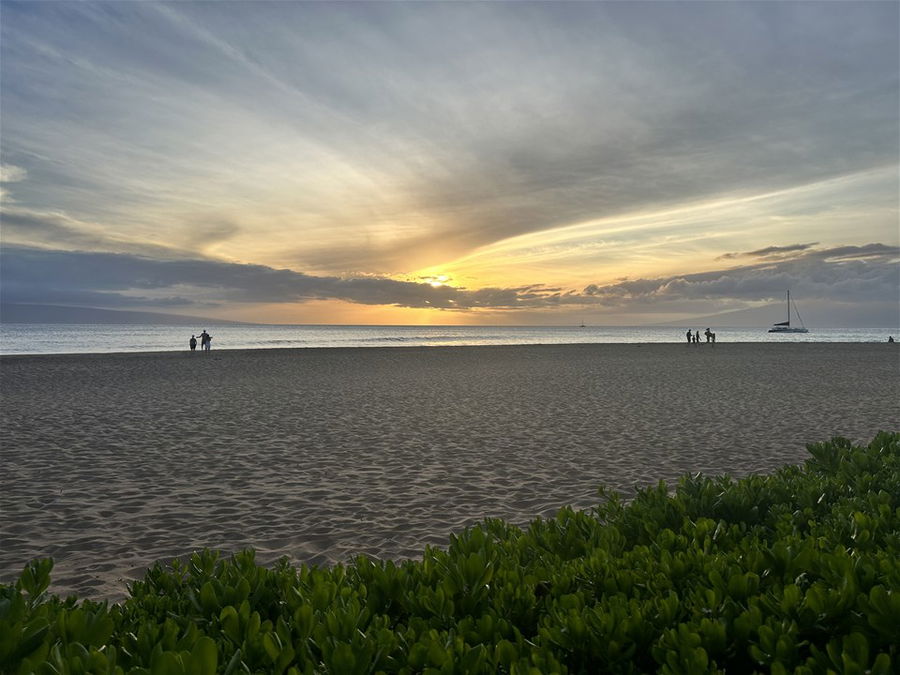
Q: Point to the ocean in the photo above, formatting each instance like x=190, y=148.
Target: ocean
x=108, y=338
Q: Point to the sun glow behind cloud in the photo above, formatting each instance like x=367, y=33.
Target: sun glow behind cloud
x=689, y=236
x=470, y=147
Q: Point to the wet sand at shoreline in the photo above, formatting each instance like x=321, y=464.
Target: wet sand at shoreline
x=111, y=462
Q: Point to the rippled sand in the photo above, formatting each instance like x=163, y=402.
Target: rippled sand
x=111, y=462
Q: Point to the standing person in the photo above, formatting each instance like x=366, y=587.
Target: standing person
x=707, y=334
x=689, y=336
x=208, y=341
x=204, y=338
x=193, y=343
x=697, y=337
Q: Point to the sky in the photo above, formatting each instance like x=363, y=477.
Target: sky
x=451, y=163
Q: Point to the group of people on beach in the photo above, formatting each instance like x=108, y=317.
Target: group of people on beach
x=205, y=341
x=694, y=338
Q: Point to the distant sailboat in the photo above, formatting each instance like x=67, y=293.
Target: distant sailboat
x=785, y=326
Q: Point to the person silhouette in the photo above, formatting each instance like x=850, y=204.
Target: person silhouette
x=690, y=337
x=697, y=337
x=193, y=343
x=204, y=340
x=890, y=338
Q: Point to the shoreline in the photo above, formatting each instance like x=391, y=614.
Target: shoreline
x=242, y=350
x=21, y=341
x=115, y=461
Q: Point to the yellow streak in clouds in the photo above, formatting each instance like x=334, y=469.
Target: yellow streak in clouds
x=687, y=238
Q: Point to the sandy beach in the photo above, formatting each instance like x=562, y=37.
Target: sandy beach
x=111, y=462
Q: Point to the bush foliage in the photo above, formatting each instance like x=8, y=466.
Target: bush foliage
x=794, y=572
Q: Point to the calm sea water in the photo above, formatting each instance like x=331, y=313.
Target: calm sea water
x=78, y=338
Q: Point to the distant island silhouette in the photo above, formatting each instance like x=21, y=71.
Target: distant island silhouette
x=27, y=313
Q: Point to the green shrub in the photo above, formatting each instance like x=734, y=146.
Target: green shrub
x=794, y=572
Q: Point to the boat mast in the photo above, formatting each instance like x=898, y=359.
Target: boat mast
x=799, y=318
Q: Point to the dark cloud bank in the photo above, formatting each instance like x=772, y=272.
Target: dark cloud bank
x=846, y=274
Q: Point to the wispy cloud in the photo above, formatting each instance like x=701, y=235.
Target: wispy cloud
x=10, y=173
x=54, y=230
x=769, y=251
x=533, y=150
x=355, y=136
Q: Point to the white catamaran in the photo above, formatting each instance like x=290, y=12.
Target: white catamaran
x=785, y=326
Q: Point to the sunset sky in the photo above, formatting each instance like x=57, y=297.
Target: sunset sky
x=447, y=163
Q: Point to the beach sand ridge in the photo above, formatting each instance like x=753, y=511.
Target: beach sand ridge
x=111, y=462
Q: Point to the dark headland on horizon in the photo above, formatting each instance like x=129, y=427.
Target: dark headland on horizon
x=21, y=313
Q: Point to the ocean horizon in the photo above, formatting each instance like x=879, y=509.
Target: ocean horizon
x=112, y=338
